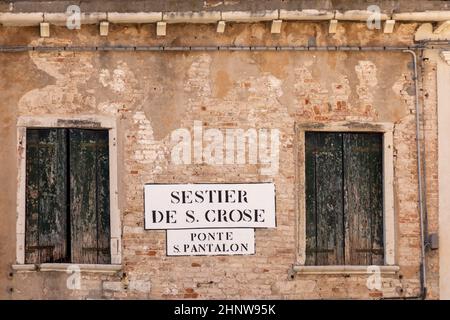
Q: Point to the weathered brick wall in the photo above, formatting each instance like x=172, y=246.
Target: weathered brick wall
x=153, y=93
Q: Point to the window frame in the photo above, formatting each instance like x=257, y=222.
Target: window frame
x=389, y=217
x=80, y=122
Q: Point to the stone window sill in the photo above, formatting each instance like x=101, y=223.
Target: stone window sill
x=343, y=270
x=67, y=267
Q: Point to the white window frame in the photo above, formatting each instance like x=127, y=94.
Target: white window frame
x=389, y=218
x=82, y=122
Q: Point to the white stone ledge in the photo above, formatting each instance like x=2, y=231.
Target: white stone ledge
x=134, y=17
x=249, y=16
x=58, y=18
x=24, y=267
x=8, y=19
x=310, y=15
x=425, y=16
x=85, y=121
x=192, y=17
x=68, y=267
x=358, y=15
x=342, y=270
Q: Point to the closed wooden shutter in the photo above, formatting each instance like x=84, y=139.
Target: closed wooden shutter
x=363, y=189
x=344, y=200
x=46, y=196
x=324, y=178
x=67, y=196
x=89, y=196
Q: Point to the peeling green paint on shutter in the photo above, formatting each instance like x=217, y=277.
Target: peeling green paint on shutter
x=326, y=214
x=46, y=194
x=363, y=187
x=89, y=196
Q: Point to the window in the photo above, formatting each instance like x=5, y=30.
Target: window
x=344, y=198
x=67, y=205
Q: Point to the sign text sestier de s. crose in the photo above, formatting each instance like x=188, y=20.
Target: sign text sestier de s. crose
x=209, y=219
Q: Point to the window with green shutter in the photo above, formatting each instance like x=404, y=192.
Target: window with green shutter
x=67, y=196
x=344, y=198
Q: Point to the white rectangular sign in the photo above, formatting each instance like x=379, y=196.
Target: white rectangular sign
x=191, y=206
x=210, y=242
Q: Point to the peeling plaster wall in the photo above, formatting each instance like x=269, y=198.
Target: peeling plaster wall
x=153, y=93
